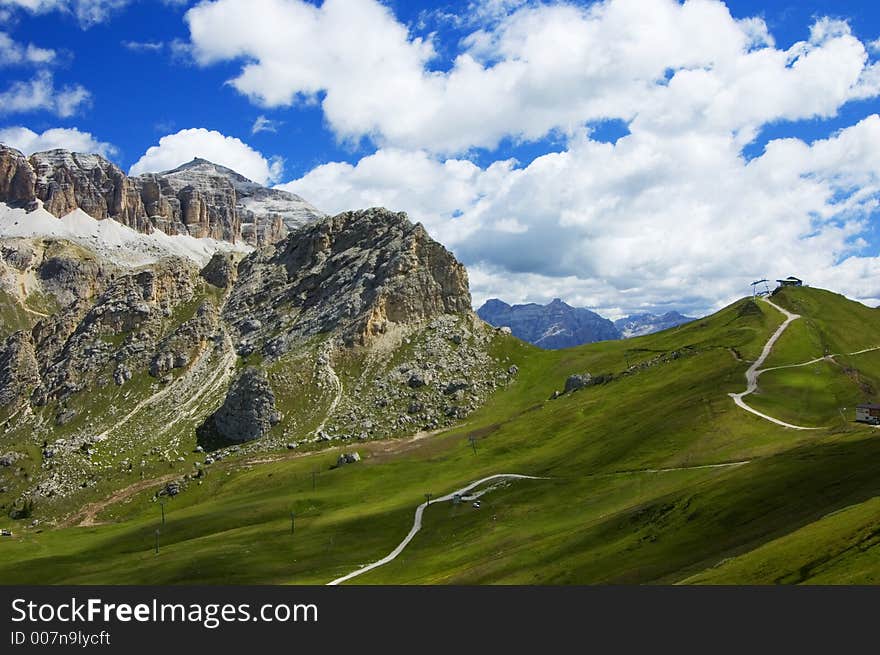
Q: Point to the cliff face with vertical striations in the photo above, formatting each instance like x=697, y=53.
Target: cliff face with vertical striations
x=17, y=177
x=199, y=199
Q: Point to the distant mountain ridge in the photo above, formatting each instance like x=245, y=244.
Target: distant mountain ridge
x=638, y=325
x=559, y=325
x=200, y=199
x=552, y=326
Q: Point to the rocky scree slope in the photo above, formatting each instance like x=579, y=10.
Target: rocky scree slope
x=372, y=318
x=200, y=199
x=75, y=378
x=353, y=327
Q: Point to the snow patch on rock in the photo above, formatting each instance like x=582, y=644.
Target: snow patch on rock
x=108, y=238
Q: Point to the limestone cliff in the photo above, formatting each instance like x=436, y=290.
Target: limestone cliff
x=200, y=199
x=357, y=273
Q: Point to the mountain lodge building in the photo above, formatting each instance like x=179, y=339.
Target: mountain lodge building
x=791, y=281
x=868, y=413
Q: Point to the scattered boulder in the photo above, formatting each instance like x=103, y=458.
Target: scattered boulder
x=348, y=458
x=249, y=409
x=65, y=416
x=575, y=382
x=8, y=459
x=164, y=362
x=122, y=374
x=456, y=385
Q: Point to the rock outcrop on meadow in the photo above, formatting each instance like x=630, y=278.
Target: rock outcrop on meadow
x=248, y=411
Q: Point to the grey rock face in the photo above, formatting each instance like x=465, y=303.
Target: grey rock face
x=264, y=215
x=358, y=273
x=19, y=369
x=199, y=198
x=249, y=409
x=66, y=181
x=75, y=344
x=220, y=270
x=552, y=326
x=58, y=271
x=17, y=177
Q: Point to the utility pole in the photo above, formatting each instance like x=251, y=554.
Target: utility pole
x=162, y=505
x=292, y=520
x=157, y=542
x=428, y=499
x=473, y=441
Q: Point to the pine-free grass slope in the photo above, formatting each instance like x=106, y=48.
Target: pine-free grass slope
x=616, y=508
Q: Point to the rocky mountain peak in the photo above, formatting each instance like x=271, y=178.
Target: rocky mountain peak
x=201, y=168
x=199, y=198
x=551, y=326
x=646, y=323
x=357, y=274
x=559, y=325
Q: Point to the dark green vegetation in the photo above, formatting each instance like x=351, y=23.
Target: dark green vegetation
x=655, y=476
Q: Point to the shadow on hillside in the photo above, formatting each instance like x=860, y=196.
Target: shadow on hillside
x=209, y=438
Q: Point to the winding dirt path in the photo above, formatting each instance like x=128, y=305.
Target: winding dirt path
x=417, y=523
x=34, y=311
x=85, y=517
x=755, y=370
x=220, y=376
x=695, y=467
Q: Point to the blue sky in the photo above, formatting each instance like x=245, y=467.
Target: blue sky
x=353, y=132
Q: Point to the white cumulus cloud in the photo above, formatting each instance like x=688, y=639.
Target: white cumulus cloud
x=87, y=12
x=176, y=149
x=29, y=142
x=41, y=94
x=263, y=124
x=15, y=53
x=636, y=224
x=540, y=69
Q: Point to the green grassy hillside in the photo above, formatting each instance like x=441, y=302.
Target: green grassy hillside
x=826, y=392
x=653, y=476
